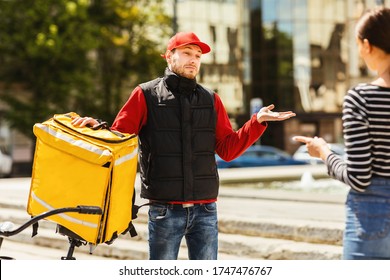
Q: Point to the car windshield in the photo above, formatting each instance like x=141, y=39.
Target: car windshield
x=263, y=154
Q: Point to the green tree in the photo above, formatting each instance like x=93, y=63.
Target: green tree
x=81, y=55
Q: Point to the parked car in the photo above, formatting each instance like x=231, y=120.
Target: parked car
x=260, y=155
x=302, y=154
x=5, y=163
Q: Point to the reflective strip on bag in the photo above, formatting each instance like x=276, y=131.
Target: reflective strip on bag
x=63, y=215
x=127, y=157
x=74, y=146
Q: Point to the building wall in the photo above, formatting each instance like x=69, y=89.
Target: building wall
x=215, y=22
x=15, y=143
x=297, y=54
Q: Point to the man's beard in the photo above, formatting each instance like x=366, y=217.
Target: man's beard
x=181, y=71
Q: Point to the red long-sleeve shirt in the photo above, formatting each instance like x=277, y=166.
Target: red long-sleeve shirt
x=229, y=143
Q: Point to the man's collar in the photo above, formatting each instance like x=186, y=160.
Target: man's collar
x=179, y=84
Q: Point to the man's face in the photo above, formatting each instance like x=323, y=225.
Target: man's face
x=185, y=61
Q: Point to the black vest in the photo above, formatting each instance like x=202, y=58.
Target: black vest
x=177, y=145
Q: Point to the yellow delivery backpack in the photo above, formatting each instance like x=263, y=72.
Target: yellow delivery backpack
x=84, y=166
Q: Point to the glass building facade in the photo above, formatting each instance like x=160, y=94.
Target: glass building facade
x=300, y=55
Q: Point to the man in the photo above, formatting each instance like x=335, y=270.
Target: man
x=181, y=125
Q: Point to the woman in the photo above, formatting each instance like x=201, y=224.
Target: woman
x=366, y=119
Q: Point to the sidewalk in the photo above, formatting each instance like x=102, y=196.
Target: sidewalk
x=270, y=173
x=254, y=222
x=298, y=203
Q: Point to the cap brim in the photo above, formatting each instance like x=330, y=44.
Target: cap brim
x=203, y=47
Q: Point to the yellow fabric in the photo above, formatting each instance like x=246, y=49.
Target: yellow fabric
x=81, y=166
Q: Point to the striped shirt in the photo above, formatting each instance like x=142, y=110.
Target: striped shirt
x=366, y=128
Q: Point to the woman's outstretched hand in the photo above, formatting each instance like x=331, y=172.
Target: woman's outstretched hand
x=316, y=147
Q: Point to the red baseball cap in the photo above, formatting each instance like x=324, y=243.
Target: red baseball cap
x=186, y=38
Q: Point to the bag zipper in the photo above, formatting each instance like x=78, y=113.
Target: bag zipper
x=94, y=137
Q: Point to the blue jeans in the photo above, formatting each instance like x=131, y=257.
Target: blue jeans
x=168, y=224
x=367, y=230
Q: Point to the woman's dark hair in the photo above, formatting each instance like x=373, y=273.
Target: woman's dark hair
x=375, y=27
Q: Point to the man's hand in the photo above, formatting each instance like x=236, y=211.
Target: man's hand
x=265, y=114
x=84, y=121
